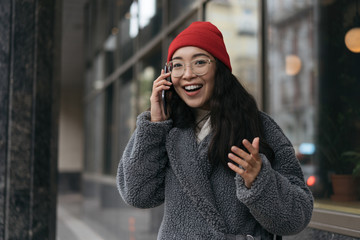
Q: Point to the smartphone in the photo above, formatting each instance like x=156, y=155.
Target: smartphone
x=163, y=93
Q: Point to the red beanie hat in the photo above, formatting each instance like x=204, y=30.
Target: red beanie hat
x=203, y=35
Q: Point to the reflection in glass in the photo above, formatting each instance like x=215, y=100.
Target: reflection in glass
x=125, y=39
x=291, y=78
x=134, y=19
x=141, y=12
x=176, y=8
x=109, y=157
x=150, y=20
x=188, y=21
x=89, y=78
x=352, y=39
x=126, y=110
x=145, y=14
x=151, y=66
x=110, y=47
x=94, y=125
x=146, y=79
x=238, y=21
x=291, y=60
x=292, y=65
x=99, y=72
x=147, y=10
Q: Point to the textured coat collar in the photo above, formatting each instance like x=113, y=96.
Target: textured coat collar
x=191, y=166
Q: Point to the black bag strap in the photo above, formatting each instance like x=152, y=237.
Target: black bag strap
x=276, y=237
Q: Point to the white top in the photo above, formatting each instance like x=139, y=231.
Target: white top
x=203, y=124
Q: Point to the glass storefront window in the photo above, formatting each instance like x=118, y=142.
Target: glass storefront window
x=110, y=47
x=138, y=25
x=312, y=92
x=88, y=30
x=110, y=133
x=188, y=21
x=291, y=79
x=150, y=20
x=150, y=66
x=98, y=71
x=238, y=22
x=112, y=30
x=88, y=80
x=96, y=25
x=291, y=70
x=176, y=8
x=94, y=126
x=125, y=40
x=126, y=111
x=339, y=109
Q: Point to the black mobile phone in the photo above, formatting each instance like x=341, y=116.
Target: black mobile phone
x=163, y=93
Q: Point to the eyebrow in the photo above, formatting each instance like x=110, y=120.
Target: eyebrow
x=194, y=56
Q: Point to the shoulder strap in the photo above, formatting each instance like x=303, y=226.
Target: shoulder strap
x=276, y=237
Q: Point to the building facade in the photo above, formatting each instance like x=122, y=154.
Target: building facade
x=279, y=50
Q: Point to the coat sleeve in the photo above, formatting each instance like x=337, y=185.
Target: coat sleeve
x=141, y=170
x=279, y=198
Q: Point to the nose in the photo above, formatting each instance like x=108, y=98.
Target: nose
x=188, y=73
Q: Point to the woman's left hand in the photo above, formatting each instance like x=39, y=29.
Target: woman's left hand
x=250, y=163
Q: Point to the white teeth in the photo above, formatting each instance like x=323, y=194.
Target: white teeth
x=192, y=87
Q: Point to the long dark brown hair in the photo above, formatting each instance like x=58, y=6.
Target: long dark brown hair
x=234, y=116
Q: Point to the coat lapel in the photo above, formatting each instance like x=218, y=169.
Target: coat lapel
x=191, y=166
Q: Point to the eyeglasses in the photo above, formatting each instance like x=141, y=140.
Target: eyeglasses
x=199, y=66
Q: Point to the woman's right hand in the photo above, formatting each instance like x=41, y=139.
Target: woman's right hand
x=157, y=107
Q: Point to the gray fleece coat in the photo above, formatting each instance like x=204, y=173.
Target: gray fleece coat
x=163, y=164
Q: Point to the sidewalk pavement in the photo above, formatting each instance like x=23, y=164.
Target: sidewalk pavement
x=79, y=219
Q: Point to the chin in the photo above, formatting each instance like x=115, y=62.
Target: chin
x=195, y=105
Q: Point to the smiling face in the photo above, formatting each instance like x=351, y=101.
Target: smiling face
x=194, y=90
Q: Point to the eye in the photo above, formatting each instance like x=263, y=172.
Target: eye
x=199, y=62
x=177, y=65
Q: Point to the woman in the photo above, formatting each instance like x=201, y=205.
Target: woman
x=223, y=169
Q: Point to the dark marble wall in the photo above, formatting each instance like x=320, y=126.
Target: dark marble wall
x=4, y=97
x=28, y=119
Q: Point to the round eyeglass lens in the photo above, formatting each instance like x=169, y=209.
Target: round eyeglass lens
x=198, y=66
